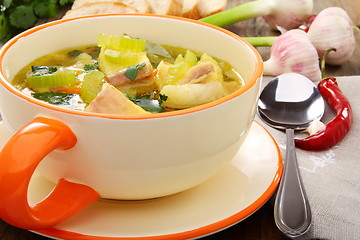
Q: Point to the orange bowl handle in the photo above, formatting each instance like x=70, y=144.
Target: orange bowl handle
x=18, y=161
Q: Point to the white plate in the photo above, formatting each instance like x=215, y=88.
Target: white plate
x=228, y=198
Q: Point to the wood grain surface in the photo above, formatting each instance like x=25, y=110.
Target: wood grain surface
x=260, y=225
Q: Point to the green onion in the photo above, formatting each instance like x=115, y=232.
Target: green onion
x=261, y=41
x=287, y=14
x=242, y=12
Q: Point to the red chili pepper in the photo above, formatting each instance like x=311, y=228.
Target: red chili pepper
x=337, y=128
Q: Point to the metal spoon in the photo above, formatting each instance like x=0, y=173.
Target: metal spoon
x=291, y=102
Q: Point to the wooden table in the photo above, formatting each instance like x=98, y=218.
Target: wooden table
x=260, y=225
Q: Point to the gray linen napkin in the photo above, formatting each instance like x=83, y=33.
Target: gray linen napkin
x=332, y=177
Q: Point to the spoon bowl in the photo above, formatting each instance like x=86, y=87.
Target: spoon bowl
x=291, y=102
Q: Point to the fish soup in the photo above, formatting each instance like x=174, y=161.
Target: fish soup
x=123, y=75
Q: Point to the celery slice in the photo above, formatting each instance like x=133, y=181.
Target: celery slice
x=121, y=43
x=108, y=67
x=181, y=66
x=125, y=58
x=47, y=81
x=91, y=85
x=190, y=58
x=179, y=59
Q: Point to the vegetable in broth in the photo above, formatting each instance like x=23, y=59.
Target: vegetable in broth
x=124, y=75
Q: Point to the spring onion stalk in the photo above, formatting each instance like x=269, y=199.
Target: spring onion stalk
x=261, y=41
x=287, y=14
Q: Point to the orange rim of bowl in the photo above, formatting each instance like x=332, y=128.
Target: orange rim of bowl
x=254, y=78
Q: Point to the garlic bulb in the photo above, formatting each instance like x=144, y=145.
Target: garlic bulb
x=333, y=28
x=289, y=14
x=293, y=52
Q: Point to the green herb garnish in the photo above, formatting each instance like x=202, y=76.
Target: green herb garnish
x=163, y=98
x=42, y=70
x=148, y=103
x=156, y=49
x=54, y=98
x=92, y=66
x=74, y=53
x=19, y=15
x=94, y=52
x=132, y=71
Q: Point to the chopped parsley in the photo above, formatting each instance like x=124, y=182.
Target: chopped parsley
x=91, y=67
x=149, y=104
x=54, y=98
x=43, y=70
x=94, y=52
x=74, y=53
x=19, y=15
x=132, y=71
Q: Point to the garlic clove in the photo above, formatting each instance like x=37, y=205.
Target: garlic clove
x=289, y=14
x=315, y=127
x=333, y=28
x=293, y=52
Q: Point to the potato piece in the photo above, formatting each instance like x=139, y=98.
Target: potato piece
x=190, y=95
x=112, y=101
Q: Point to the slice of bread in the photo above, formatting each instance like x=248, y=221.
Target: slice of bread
x=166, y=7
x=209, y=7
x=190, y=9
x=141, y=5
x=94, y=8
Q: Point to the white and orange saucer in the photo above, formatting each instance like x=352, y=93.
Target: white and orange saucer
x=228, y=198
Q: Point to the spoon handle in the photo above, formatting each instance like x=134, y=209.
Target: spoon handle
x=292, y=211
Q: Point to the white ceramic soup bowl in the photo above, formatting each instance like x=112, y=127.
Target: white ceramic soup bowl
x=130, y=157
